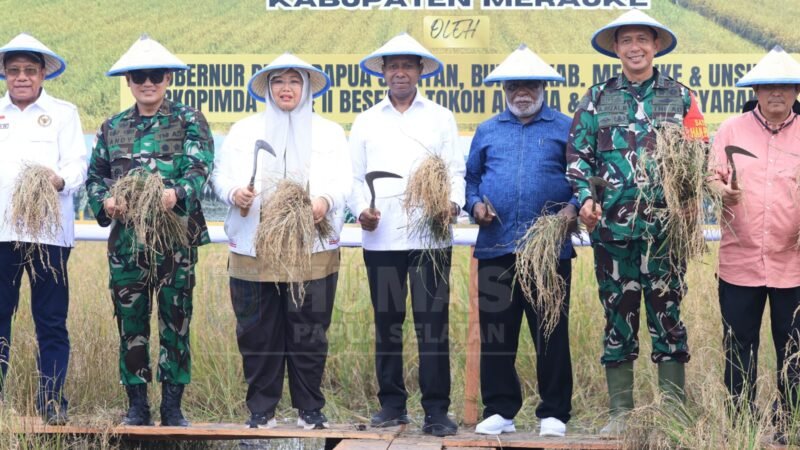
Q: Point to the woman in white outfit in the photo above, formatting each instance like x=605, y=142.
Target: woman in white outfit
x=272, y=331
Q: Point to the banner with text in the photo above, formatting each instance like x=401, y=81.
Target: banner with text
x=217, y=84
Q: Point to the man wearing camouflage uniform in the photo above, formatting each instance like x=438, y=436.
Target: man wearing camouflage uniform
x=613, y=129
x=174, y=141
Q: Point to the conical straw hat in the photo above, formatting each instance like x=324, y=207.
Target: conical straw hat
x=402, y=44
x=259, y=83
x=776, y=67
x=523, y=64
x=146, y=53
x=603, y=39
x=54, y=65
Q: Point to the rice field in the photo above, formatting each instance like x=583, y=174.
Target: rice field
x=217, y=390
x=768, y=26
x=91, y=35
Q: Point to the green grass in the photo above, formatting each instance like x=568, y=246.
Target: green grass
x=91, y=35
x=217, y=391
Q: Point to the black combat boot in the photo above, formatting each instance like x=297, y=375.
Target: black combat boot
x=171, y=415
x=138, y=408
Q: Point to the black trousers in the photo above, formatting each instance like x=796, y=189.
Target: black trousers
x=742, y=308
x=272, y=332
x=387, y=273
x=501, y=310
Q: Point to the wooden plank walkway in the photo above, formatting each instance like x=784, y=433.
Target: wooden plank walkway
x=203, y=431
x=339, y=437
x=529, y=440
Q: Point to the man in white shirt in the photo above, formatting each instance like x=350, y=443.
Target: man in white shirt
x=396, y=135
x=36, y=128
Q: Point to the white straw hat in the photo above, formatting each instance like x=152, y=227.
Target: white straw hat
x=146, y=53
x=776, y=67
x=54, y=65
x=523, y=64
x=257, y=87
x=402, y=44
x=603, y=39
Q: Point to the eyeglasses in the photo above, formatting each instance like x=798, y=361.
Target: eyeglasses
x=14, y=72
x=141, y=76
x=512, y=86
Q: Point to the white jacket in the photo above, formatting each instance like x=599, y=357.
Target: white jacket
x=330, y=177
x=47, y=132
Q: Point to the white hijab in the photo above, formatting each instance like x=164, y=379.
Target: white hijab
x=289, y=133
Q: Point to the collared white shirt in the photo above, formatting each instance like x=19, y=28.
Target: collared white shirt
x=47, y=132
x=385, y=139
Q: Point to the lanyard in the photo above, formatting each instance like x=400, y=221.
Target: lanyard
x=768, y=128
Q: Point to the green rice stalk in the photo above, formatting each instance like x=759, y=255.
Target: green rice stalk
x=36, y=214
x=286, y=233
x=157, y=228
x=537, y=268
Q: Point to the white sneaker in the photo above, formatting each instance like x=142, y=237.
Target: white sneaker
x=551, y=426
x=495, y=425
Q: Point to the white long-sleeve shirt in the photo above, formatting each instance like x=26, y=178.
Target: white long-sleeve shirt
x=47, y=132
x=330, y=176
x=385, y=139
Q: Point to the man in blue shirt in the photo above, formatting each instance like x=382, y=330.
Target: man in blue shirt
x=517, y=161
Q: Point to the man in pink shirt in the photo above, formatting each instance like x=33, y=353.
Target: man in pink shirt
x=759, y=256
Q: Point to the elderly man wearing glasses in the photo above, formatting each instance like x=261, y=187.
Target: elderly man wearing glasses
x=36, y=128
x=172, y=140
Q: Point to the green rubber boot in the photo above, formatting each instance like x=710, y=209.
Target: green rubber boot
x=620, y=398
x=671, y=381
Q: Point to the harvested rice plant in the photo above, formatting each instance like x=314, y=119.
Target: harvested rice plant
x=140, y=195
x=537, y=265
x=35, y=213
x=427, y=202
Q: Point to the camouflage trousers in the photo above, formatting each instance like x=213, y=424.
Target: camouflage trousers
x=624, y=269
x=134, y=280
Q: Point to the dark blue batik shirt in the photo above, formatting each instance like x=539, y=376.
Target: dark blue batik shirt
x=521, y=169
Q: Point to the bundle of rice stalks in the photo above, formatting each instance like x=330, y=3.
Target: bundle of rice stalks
x=35, y=208
x=286, y=232
x=157, y=228
x=679, y=168
x=537, y=268
x=35, y=213
x=324, y=229
x=427, y=201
